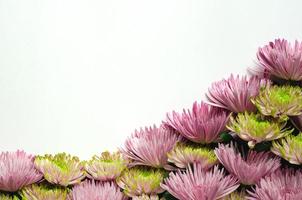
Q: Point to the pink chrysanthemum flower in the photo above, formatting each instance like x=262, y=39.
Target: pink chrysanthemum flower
x=106, y=167
x=281, y=59
x=149, y=146
x=90, y=190
x=197, y=184
x=250, y=169
x=184, y=154
x=234, y=93
x=17, y=170
x=281, y=185
x=202, y=125
x=61, y=169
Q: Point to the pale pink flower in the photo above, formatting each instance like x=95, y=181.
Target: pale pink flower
x=203, y=124
x=90, y=190
x=280, y=59
x=235, y=93
x=281, y=185
x=149, y=146
x=17, y=170
x=197, y=184
x=250, y=169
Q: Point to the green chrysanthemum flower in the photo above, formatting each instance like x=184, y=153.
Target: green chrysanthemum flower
x=62, y=169
x=289, y=148
x=146, y=197
x=141, y=180
x=43, y=192
x=236, y=196
x=279, y=101
x=106, y=167
x=254, y=129
x=8, y=197
x=183, y=154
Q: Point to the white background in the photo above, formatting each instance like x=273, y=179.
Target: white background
x=80, y=76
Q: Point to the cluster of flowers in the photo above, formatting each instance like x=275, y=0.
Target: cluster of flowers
x=243, y=142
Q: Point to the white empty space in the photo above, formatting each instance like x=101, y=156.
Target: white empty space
x=80, y=76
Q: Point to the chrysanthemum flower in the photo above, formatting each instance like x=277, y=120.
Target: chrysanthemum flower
x=197, y=184
x=234, y=93
x=202, y=125
x=254, y=129
x=279, y=101
x=106, y=167
x=17, y=170
x=183, y=154
x=146, y=197
x=281, y=59
x=90, y=190
x=149, y=146
x=236, y=196
x=281, y=185
x=8, y=197
x=43, y=192
x=250, y=169
x=289, y=148
x=138, y=180
x=61, y=169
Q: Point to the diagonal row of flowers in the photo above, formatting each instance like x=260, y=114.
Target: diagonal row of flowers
x=255, y=109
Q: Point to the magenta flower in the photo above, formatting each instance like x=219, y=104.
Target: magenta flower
x=196, y=184
x=235, y=93
x=17, y=170
x=281, y=59
x=149, y=146
x=248, y=170
x=202, y=125
x=90, y=190
x=281, y=185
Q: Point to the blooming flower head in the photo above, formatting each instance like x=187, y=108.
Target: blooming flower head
x=8, y=197
x=281, y=185
x=139, y=180
x=17, y=170
x=281, y=59
x=279, y=101
x=90, y=190
x=235, y=93
x=61, y=169
x=289, y=148
x=202, y=125
x=183, y=154
x=105, y=167
x=149, y=146
x=197, y=184
x=254, y=129
x=248, y=170
x=43, y=192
